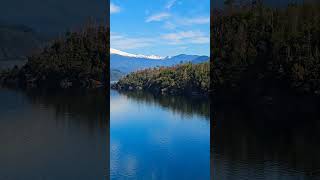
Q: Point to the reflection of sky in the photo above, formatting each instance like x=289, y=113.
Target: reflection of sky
x=118, y=105
x=150, y=142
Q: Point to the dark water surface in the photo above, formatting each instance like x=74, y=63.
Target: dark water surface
x=266, y=143
x=159, y=137
x=53, y=135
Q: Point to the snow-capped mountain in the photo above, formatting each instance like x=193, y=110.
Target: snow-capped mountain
x=121, y=53
x=126, y=62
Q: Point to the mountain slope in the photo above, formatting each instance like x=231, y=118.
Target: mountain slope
x=126, y=62
x=17, y=41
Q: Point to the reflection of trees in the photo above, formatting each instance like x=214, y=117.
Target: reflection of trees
x=179, y=104
x=254, y=136
x=89, y=107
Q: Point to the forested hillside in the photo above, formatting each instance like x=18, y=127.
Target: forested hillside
x=18, y=41
x=180, y=79
x=266, y=51
x=77, y=60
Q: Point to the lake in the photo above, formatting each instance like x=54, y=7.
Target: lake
x=53, y=135
x=262, y=143
x=159, y=137
x=64, y=135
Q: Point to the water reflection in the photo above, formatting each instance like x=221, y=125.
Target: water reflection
x=265, y=143
x=53, y=135
x=159, y=137
x=80, y=106
x=178, y=104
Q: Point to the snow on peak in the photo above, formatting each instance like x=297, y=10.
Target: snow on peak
x=121, y=53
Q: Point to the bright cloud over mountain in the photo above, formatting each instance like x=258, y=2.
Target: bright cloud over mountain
x=164, y=27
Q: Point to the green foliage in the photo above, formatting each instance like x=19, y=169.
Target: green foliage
x=179, y=79
x=77, y=59
x=267, y=45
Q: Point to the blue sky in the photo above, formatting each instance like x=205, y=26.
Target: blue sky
x=160, y=27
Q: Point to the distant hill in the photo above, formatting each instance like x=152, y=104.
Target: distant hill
x=17, y=42
x=126, y=62
x=115, y=74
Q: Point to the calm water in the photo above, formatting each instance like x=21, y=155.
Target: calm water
x=266, y=144
x=159, y=137
x=53, y=135
x=64, y=136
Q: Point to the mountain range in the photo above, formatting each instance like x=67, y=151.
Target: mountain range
x=126, y=62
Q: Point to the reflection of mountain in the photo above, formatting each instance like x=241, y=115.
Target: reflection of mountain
x=184, y=106
x=126, y=62
x=17, y=42
x=245, y=138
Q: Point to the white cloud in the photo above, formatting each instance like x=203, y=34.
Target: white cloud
x=198, y=20
x=158, y=17
x=114, y=8
x=169, y=25
x=194, y=21
x=179, y=21
x=180, y=35
x=200, y=40
x=183, y=47
x=170, y=4
x=122, y=42
x=185, y=37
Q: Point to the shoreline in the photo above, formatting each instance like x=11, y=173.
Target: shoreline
x=159, y=91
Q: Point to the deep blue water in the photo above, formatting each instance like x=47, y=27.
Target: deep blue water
x=158, y=137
